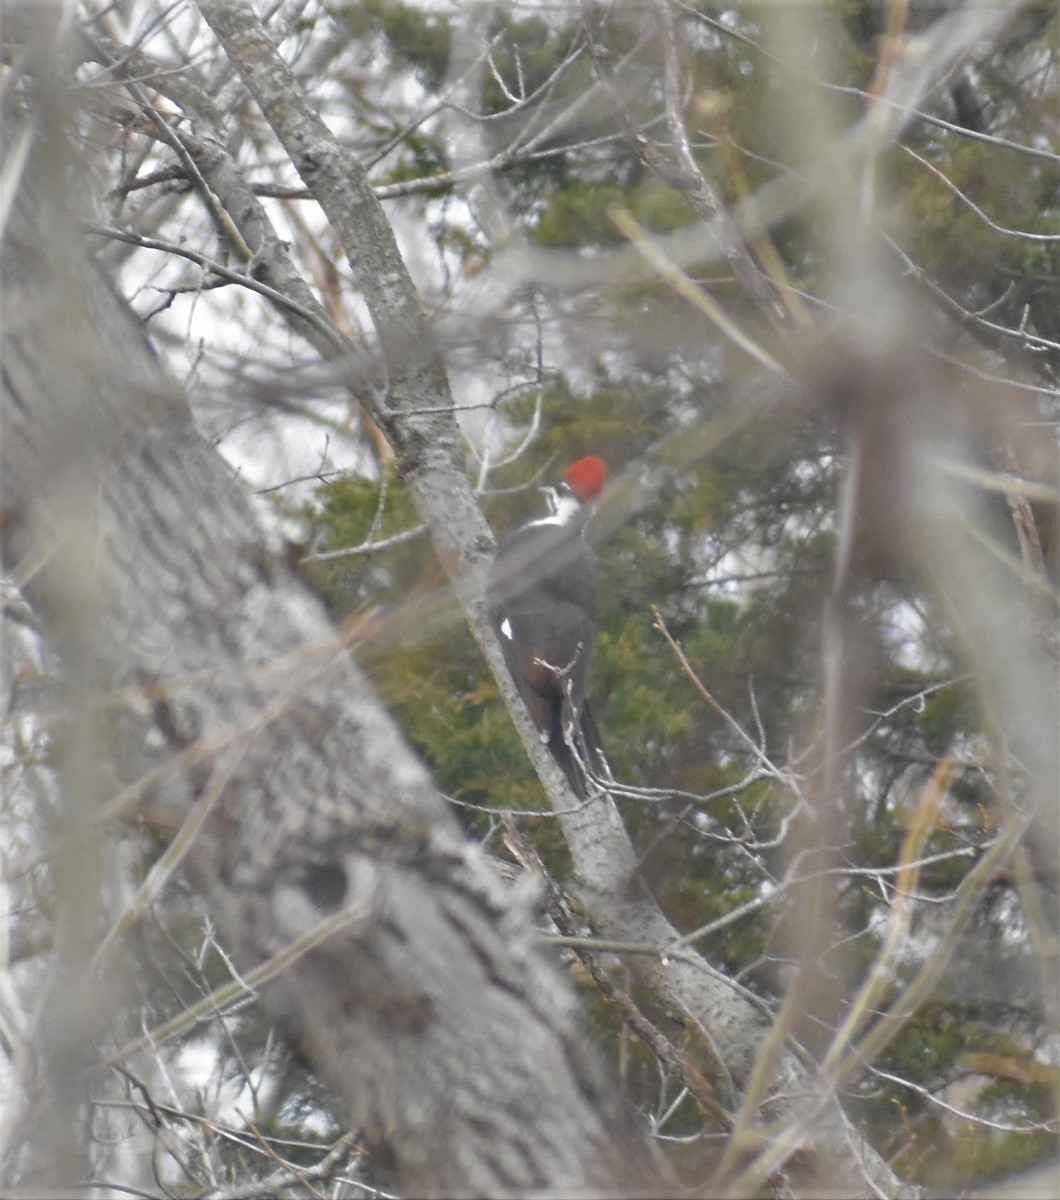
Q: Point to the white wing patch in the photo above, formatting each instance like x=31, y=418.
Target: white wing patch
x=506, y=629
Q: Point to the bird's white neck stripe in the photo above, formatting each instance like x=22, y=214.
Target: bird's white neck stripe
x=565, y=507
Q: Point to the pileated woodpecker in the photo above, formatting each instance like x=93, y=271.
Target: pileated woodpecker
x=542, y=598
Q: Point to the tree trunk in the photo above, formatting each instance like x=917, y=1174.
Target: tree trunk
x=234, y=714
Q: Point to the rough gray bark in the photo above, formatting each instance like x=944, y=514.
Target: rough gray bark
x=227, y=696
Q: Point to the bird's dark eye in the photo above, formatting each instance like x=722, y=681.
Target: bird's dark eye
x=325, y=884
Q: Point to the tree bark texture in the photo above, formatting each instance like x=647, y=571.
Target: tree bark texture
x=229, y=700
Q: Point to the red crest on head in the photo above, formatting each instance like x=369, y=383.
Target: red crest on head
x=587, y=476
